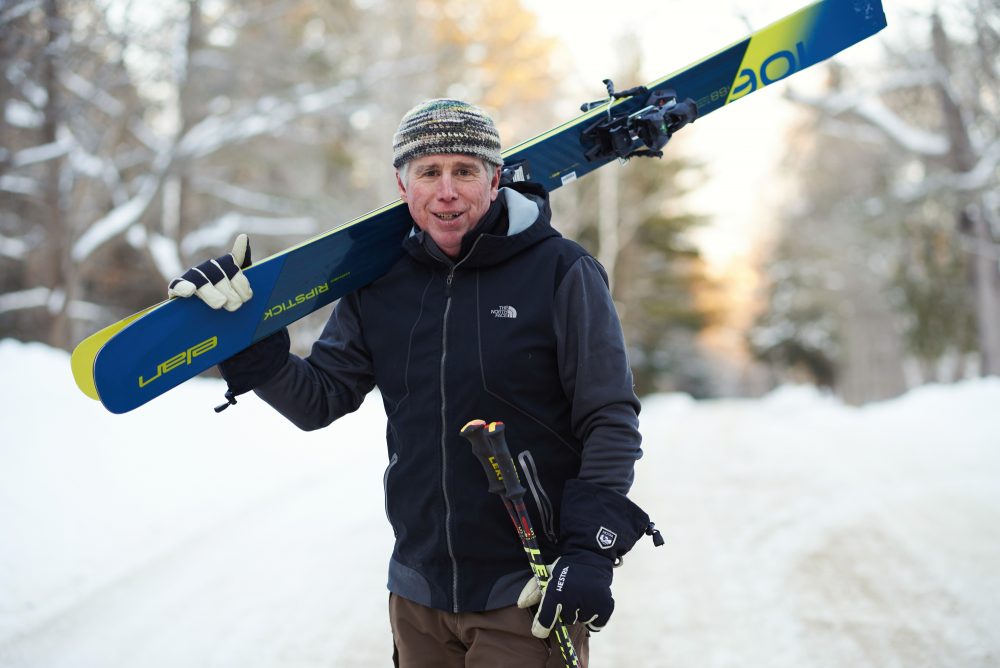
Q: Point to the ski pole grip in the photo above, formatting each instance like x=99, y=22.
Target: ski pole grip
x=474, y=433
x=501, y=454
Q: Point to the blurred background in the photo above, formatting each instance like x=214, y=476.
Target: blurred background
x=838, y=229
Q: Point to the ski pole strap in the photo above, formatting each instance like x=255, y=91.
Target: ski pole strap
x=490, y=447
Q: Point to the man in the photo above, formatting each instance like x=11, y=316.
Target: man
x=489, y=314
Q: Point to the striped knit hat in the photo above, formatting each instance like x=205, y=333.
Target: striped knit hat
x=445, y=126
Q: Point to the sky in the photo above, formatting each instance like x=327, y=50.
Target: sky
x=740, y=146
x=800, y=532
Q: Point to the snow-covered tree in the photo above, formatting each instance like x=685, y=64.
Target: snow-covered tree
x=139, y=139
x=933, y=113
x=886, y=270
x=71, y=146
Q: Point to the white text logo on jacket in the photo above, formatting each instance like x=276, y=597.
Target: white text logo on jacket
x=504, y=312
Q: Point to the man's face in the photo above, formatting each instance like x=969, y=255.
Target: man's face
x=447, y=196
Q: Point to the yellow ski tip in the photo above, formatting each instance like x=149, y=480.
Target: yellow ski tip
x=82, y=359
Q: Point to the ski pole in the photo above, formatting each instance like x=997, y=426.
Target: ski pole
x=490, y=448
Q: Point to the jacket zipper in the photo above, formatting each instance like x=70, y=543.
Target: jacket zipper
x=444, y=447
x=385, y=486
x=444, y=427
x=542, y=501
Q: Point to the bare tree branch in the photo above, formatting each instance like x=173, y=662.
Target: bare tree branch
x=119, y=219
x=872, y=110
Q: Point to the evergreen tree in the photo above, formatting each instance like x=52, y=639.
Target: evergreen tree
x=633, y=219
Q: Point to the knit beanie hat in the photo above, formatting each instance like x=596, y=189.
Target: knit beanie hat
x=446, y=126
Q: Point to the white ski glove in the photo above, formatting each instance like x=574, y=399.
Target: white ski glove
x=220, y=283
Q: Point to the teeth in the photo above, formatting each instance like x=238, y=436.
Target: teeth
x=447, y=216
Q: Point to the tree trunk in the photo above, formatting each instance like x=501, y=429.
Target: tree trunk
x=188, y=115
x=985, y=273
x=986, y=282
x=47, y=267
x=872, y=368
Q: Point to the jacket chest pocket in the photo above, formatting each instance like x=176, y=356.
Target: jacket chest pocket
x=517, y=344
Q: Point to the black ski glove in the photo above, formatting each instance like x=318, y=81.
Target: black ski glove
x=578, y=591
x=254, y=366
x=598, y=526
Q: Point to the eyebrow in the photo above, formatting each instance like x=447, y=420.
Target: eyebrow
x=471, y=165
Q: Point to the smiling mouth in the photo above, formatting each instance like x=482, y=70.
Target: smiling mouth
x=447, y=216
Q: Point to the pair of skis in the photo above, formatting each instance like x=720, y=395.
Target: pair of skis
x=139, y=358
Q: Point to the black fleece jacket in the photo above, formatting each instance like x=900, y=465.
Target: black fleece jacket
x=520, y=329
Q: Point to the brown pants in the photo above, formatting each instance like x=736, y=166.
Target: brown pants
x=428, y=638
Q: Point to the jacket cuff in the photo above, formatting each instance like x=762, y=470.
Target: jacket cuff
x=599, y=520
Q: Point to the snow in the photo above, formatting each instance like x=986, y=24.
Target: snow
x=165, y=256
x=53, y=300
x=243, y=197
x=24, y=299
x=220, y=232
x=909, y=137
x=43, y=152
x=17, y=11
x=22, y=115
x=21, y=185
x=982, y=174
x=800, y=532
x=270, y=116
x=13, y=248
x=88, y=92
x=119, y=219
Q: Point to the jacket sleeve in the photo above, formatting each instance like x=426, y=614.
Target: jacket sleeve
x=595, y=374
x=332, y=381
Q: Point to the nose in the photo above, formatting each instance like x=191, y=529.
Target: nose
x=446, y=187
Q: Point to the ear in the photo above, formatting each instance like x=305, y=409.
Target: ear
x=495, y=183
x=400, y=187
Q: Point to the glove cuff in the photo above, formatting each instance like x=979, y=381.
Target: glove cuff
x=599, y=520
x=257, y=364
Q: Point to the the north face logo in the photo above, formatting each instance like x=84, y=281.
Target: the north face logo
x=606, y=538
x=504, y=312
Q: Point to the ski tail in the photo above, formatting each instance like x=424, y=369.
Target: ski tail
x=82, y=359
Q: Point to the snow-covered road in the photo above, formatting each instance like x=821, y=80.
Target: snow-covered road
x=265, y=587
x=800, y=533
